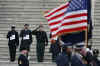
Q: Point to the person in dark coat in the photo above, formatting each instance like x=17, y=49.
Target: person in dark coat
x=55, y=48
x=13, y=42
x=67, y=58
x=96, y=61
x=23, y=60
x=42, y=41
x=26, y=38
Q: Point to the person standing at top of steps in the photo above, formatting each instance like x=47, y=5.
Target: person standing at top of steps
x=13, y=42
x=23, y=60
x=42, y=41
x=26, y=38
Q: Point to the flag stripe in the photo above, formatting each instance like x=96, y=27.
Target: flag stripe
x=56, y=9
x=76, y=12
x=75, y=19
x=54, y=29
x=57, y=16
x=70, y=27
x=74, y=22
x=54, y=23
x=69, y=31
x=75, y=15
x=57, y=13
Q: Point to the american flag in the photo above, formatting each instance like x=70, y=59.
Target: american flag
x=75, y=18
x=69, y=17
x=55, y=17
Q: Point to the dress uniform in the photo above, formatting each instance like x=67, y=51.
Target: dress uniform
x=42, y=40
x=26, y=39
x=13, y=42
x=22, y=60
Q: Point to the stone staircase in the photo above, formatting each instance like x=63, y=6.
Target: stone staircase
x=19, y=12
x=96, y=23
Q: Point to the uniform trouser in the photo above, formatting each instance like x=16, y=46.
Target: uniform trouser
x=25, y=45
x=54, y=57
x=40, y=51
x=12, y=52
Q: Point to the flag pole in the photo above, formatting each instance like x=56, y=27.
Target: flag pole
x=86, y=37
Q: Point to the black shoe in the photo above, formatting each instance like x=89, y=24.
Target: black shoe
x=12, y=60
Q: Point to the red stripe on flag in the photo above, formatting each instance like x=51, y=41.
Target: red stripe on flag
x=55, y=17
x=63, y=7
x=54, y=23
x=54, y=29
x=74, y=22
x=72, y=30
x=75, y=15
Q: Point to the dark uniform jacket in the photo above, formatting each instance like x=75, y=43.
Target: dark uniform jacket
x=41, y=36
x=23, y=61
x=13, y=38
x=96, y=62
x=26, y=39
x=55, y=48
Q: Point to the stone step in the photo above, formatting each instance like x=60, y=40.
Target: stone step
x=6, y=53
x=2, y=49
x=6, y=63
x=3, y=32
x=30, y=53
x=31, y=60
x=19, y=29
x=23, y=22
x=54, y=3
x=34, y=41
x=33, y=57
x=31, y=50
x=21, y=25
x=33, y=44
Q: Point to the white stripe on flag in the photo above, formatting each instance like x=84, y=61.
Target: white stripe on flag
x=57, y=13
x=56, y=9
x=75, y=12
x=74, y=19
x=69, y=27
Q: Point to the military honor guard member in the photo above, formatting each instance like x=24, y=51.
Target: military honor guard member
x=23, y=60
x=13, y=42
x=26, y=38
x=67, y=58
x=42, y=41
x=55, y=48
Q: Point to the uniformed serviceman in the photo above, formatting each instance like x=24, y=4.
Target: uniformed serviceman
x=13, y=42
x=55, y=48
x=23, y=60
x=26, y=38
x=96, y=61
x=67, y=58
x=42, y=41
